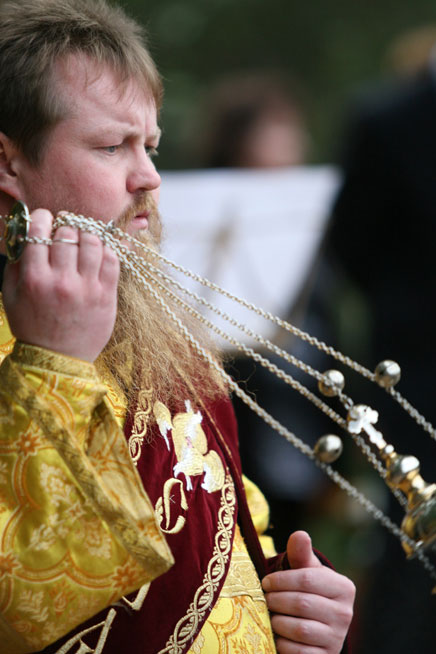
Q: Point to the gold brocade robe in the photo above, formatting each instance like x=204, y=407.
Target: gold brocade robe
x=69, y=491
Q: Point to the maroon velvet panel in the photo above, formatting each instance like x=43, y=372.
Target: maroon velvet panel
x=147, y=631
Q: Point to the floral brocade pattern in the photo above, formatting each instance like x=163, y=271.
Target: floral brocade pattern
x=77, y=531
x=6, y=339
x=239, y=622
x=235, y=627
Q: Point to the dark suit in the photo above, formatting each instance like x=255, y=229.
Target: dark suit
x=384, y=228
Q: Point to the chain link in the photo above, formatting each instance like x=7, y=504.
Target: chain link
x=36, y=240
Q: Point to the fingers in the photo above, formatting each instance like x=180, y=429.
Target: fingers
x=319, y=581
x=306, y=632
x=300, y=605
x=312, y=607
x=110, y=268
x=64, y=255
x=307, y=636
x=73, y=250
x=52, y=289
x=97, y=261
x=41, y=225
x=90, y=254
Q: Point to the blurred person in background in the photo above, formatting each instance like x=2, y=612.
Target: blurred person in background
x=253, y=119
x=256, y=119
x=381, y=270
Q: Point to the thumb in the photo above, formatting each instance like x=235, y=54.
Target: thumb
x=300, y=553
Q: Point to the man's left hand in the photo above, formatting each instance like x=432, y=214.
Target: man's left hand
x=311, y=604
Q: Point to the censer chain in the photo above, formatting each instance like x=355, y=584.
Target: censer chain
x=147, y=275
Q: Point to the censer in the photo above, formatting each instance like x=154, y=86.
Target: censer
x=401, y=473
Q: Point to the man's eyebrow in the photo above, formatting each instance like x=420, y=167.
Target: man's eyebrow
x=124, y=132
x=154, y=136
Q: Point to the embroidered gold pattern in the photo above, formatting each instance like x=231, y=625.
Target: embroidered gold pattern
x=203, y=600
x=6, y=339
x=6, y=348
x=40, y=358
x=242, y=577
x=239, y=626
x=190, y=444
x=76, y=502
x=77, y=639
x=140, y=424
x=105, y=625
x=139, y=600
x=163, y=508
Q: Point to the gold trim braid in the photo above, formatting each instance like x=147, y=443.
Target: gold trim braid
x=34, y=356
x=77, y=530
x=187, y=627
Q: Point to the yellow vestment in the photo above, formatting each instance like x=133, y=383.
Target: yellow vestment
x=69, y=490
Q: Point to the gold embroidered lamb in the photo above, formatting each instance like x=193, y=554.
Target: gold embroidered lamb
x=190, y=446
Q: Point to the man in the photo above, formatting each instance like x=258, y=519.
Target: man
x=98, y=555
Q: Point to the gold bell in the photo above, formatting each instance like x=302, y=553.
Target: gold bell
x=387, y=373
x=332, y=383
x=328, y=448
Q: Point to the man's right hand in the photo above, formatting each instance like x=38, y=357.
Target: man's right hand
x=62, y=297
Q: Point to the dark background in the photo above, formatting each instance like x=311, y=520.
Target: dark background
x=333, y=47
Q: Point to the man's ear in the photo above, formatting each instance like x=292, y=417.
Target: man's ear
x=9, y=179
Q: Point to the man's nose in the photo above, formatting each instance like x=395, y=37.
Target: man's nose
x=143, y=175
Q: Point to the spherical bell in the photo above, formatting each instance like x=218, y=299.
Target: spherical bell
x=387, y=373
x=328, y=448
x=332, y=383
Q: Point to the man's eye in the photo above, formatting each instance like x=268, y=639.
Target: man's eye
x=151, y=151
x=111, y=149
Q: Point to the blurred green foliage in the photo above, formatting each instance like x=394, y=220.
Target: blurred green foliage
x=332, y=47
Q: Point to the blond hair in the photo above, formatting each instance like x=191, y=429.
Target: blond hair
x=35, y=34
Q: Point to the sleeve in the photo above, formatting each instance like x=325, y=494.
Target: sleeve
x=77, y=530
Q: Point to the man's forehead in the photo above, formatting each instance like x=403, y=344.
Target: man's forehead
x=78, y=75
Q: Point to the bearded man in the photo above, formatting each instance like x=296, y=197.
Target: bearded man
x=124, y=518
